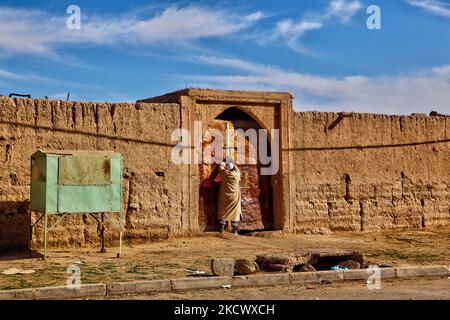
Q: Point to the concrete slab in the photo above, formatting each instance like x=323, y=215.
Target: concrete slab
x=334, y=275
x=422, y=271
x=388, y=273
x=304, y=277
x=19, y=294
x=358, y=274
x=200, y=283
x=261, y=280
x=316, y=277
x=138, y=287
x=434, y=270
x=63, y=292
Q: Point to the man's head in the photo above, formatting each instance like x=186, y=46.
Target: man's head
x=230, y=166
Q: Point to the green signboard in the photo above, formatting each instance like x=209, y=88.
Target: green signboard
x=75, y=182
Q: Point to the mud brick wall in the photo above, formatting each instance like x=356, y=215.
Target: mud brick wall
x=141, y=133
x=370, y=172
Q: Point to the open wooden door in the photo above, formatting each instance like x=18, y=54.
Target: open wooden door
x=256, y=191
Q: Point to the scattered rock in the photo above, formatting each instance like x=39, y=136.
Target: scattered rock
x=12, y=271
x=246, y=267
x=222, y=266
x=350, y=264
x=307, y=268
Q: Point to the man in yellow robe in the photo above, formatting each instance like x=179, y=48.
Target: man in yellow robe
x=229, y=197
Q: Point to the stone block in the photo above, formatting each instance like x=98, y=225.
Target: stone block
x=222, y=266
x=246, y=267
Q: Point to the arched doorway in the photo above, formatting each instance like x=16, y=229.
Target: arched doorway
x=256, y=190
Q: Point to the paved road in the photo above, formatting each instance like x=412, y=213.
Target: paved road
x=415, y=289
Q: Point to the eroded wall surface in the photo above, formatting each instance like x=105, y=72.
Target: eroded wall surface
x=141, y=133
x=370, y=172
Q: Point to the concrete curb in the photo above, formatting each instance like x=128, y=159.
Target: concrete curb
x=357, y=274
x=118, y=288
x=200, y=283
x=63, y=292
x=17, y=294
x=422, y=271
x=168, y=285
x=364, y=274
x=261, y=280
x=388, y=273
x=315, y=277
x=50, y=293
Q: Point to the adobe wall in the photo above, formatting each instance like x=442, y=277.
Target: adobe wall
x=151, y=202
x=370, y=172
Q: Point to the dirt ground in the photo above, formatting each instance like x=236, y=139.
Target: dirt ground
x=408, y=289
x=170, y=258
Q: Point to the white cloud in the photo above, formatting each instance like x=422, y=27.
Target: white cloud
x=13, y=77
x=30, y=77
x=344, y=10
x=421, y=91
x=37, y=32
x=291, y=31
x=9, y=75
x=436, y=7
x=253, y=17
x=190, y=23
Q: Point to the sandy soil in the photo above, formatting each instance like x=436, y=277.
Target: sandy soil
x=170, y=258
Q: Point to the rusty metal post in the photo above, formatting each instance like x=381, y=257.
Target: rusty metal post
x=102, y=233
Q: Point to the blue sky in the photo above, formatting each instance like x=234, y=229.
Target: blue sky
x=321, y=51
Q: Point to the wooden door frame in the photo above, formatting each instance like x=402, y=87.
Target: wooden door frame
x=267, y=223
x=272, y=110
